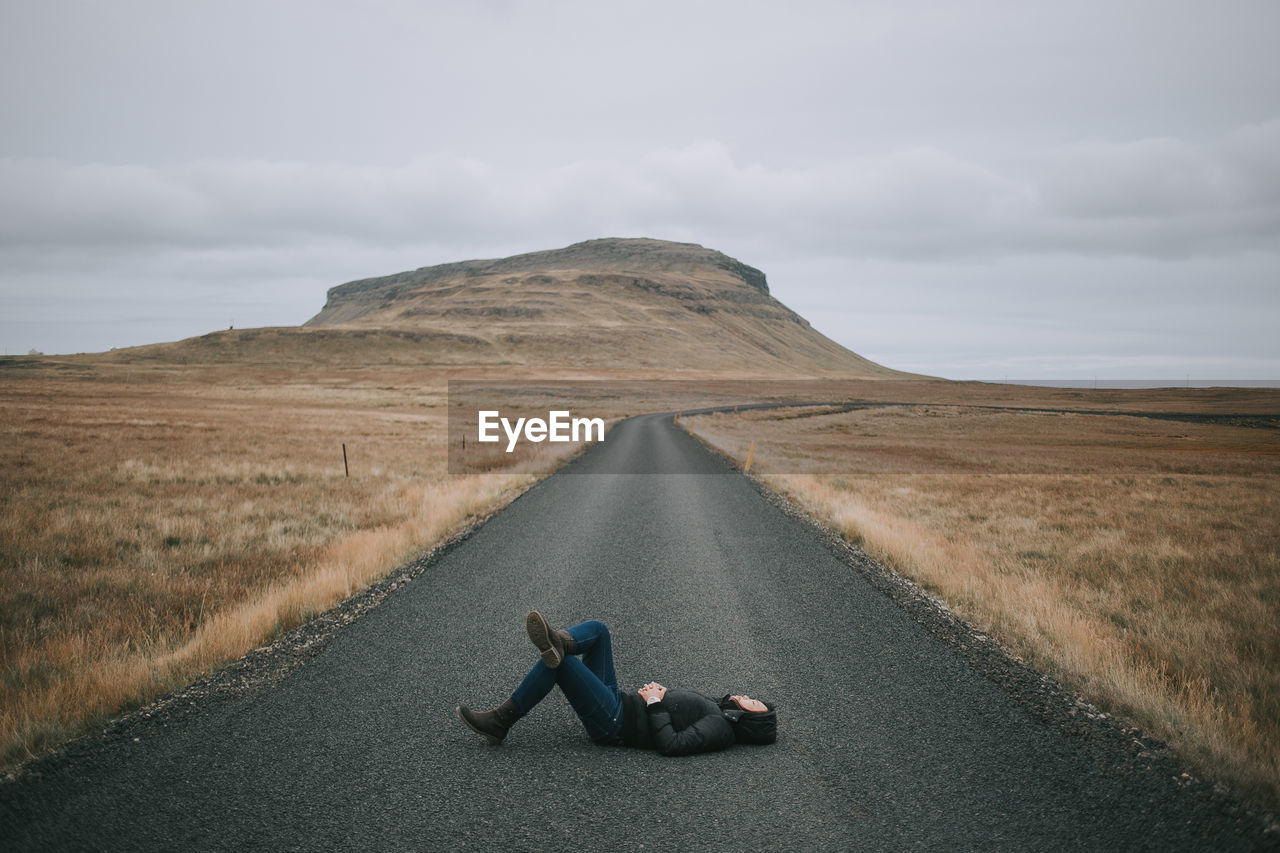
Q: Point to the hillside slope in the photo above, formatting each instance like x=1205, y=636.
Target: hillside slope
x=617, y=303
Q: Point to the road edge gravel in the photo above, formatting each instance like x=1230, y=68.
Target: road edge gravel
x=263, y=667
x=1108, y=739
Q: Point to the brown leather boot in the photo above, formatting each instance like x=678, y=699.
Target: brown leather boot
x=552, y=645
x=494, y=724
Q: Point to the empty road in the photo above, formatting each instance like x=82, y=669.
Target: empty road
x=888, y=739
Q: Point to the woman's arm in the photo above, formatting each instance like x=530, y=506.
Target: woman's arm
x=708, y=733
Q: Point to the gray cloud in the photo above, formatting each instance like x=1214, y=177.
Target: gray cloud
x=1158, y=197
x=900, y=169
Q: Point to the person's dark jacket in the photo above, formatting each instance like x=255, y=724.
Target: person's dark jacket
x=683, y=723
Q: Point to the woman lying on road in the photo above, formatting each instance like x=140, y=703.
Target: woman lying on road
x=674, y=722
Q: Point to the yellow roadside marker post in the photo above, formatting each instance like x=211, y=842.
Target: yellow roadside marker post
x=751, y=451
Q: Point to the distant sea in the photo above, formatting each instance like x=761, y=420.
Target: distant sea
x=1140, y=383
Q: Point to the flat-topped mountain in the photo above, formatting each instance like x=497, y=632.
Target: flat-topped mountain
x=651, y=260
x=602, y=303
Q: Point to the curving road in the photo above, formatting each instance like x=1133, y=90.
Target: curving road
x=888, y=739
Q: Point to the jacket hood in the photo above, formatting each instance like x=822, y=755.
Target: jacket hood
x=756, y=727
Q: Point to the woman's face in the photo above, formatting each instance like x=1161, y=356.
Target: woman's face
x=746, y=703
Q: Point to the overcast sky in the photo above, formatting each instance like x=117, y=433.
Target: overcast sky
x=967, y=189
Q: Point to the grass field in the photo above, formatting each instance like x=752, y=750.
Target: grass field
x=162, y=515
x=157, y=521
x=1136, y=559
x=160, y=519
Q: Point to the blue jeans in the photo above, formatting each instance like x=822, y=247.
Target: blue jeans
x=589, y=684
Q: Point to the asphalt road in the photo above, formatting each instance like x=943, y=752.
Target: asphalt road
x=888, y=740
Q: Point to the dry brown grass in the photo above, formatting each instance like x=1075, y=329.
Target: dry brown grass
x=1137, y=559
x=160, y=519
x=157, y=521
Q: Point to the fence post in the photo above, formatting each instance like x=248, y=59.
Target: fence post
x=346, y=472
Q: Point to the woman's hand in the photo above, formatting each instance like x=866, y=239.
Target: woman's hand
x=652, y=692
